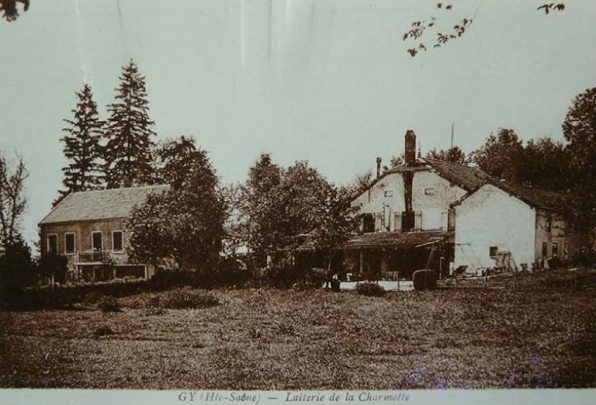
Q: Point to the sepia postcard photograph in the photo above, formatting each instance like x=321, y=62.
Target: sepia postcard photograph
x=297, y=201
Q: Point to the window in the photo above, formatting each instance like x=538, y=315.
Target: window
x=566, y=251
x=548, y=223
x=368, y=223
x=492, y=251
x=388, y=193
x=544, y=250
x=117, y=241
x=429, y=191
x=397, y=222
x=69, y=243
x=378, y=221
x=52, y=243
x=97, y=240
x=555, y=250
x=418, y=221
x=407, y=221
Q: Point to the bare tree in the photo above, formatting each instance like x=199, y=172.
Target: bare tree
x=12, y=199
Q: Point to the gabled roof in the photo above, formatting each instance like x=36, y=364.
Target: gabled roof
x=467, y=177
x=471, y=179
x=548, y=200
x=100, y=204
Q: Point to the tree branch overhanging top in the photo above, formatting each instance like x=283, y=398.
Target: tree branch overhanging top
x=418, y=28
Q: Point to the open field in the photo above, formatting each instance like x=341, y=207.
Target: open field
x=272, y=339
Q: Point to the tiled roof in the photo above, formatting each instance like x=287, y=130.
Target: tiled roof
x=471, y=179
x=100, y=204
x=467, y=177
x=406, y=240
x=535, y=197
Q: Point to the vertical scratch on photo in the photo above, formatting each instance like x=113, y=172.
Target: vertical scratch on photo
x=122, y=31
x=81, y=44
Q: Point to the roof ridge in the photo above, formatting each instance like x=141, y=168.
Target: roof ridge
x=119, y=188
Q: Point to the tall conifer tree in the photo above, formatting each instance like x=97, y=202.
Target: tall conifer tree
x=82, y=146
x=127, y=152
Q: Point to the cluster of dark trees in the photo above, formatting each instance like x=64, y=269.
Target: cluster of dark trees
x=277, y=209
x=17, y=266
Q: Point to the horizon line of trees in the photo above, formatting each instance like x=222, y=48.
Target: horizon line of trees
x=277, y=208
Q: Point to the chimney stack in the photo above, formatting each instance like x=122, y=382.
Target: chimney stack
x=410, y=154
x=378, y=167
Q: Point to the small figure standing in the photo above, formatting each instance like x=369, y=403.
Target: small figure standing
x=335, y=283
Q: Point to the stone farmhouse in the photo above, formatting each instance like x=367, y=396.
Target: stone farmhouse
x=460, y=213
x=89, y=228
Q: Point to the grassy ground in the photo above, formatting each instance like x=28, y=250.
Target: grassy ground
x=271, y=339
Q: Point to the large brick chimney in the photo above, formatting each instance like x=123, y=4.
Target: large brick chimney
x=410, y=154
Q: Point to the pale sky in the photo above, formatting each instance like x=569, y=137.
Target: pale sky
x=328, y=81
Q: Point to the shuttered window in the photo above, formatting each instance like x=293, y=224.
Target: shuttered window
x=397, y=222
x=418, y=221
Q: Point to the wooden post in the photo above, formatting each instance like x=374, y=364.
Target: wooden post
x=361, y=263
x=398, y=280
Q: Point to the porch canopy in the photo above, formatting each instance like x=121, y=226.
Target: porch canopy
x=397, y=240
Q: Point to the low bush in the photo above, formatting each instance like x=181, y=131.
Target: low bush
x=103, y=331
x=370, y=289
x=109, y=304
x=187, y=298
x=284, y=276
x=154, y=306
x=92, y=297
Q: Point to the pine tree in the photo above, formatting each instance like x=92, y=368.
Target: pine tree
x=82, y=146
x=128, y=149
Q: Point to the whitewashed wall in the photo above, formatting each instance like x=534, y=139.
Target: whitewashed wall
x=431, y=195
x=491, y=217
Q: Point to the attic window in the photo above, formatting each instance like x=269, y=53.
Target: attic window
x=388, y=193
x=429, y=191
x=492, y=251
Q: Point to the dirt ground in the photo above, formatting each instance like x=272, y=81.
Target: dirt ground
x=277, y=340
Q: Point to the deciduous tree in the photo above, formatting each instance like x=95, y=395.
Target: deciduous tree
x=12, y=199
x=185, y=224
x=453, y=155
x=579, y=129
x=500, y=155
